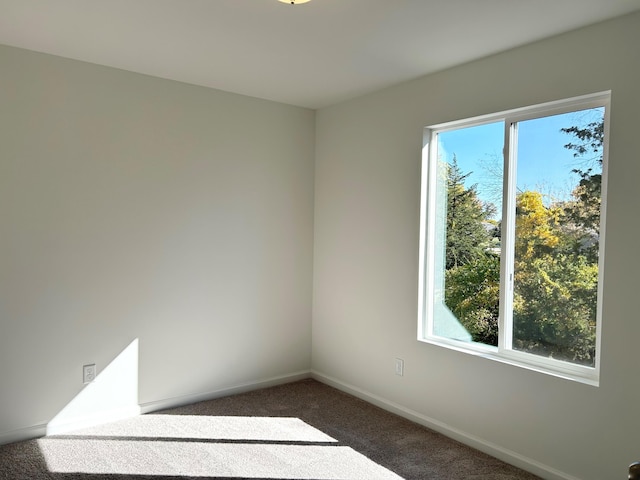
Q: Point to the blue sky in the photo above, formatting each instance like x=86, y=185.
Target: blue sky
x=544, y=164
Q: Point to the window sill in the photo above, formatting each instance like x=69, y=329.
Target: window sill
x=564, y=370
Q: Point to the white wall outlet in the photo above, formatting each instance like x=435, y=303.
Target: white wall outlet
x=88, y=373
x=399, y=367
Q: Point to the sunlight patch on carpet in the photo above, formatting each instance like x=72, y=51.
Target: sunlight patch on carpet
x=209, y=446
x=209, y=427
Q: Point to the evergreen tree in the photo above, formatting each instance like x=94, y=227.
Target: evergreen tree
x=467, y=234
x=472, y=277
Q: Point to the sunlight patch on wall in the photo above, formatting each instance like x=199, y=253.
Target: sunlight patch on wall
x=113, y=395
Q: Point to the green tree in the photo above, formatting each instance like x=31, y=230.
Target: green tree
x=472, y=277
x=472, y=294
x=555, y=286
x=556, y=270
x=467, y=235
x=554, y=308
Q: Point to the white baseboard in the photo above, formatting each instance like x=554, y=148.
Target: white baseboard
x=37, y=431
x=93, y=420
x=22, y=434
x=163, y=404
x=489, y=448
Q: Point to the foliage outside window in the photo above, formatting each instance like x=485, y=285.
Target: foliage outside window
x=511, y=235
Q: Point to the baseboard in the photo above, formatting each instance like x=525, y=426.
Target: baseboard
x=489, y=448
x=22, y=434
x=173, y=402
x=36, y=431
x=93, y=420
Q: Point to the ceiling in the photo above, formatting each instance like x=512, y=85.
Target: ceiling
x=311, y=55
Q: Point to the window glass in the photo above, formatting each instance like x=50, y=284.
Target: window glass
x=467, y=254
x=558, y=199
x=511, y=235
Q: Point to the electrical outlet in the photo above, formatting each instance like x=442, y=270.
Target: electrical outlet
x=399, y=367
x=88, y=373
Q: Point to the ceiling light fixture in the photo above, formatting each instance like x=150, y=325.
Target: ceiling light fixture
x=294, y=2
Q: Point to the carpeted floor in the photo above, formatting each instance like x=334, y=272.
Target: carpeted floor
x=304, y=430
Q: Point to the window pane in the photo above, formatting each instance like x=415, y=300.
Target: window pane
x=559, y=173
x=467, y=233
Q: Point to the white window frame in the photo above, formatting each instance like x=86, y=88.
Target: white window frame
x=426, y=298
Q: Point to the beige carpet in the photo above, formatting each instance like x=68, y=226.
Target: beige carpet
x=304, y=430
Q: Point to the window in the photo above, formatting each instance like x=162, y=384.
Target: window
x=512, y=235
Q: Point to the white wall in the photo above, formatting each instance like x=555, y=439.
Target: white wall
x=368, y=154
x=138, y=208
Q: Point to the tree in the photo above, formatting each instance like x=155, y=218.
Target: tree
x=467, y=236
x=472, y=276
x=536, y=226
x=555, y=287
x=584, y=210
x=590, y=139
x=556, y=268
x=554, y=307
x=472, y=294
